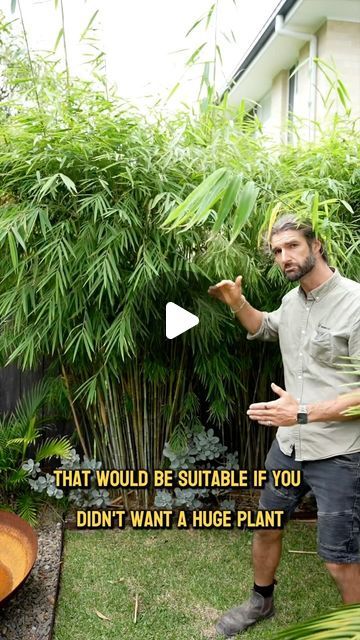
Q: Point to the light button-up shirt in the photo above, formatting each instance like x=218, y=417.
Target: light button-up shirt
x=315, y=331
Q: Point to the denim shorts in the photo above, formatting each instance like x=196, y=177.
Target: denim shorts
x=335, y=483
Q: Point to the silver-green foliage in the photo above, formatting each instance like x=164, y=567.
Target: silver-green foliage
x=82, y=497
x=41, y=482
x=200, y=449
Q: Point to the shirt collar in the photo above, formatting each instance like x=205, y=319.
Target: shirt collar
x=321, y=291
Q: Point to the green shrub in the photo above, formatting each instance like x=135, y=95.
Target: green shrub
x=21, y=433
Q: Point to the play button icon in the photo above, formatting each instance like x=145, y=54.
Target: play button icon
x=178, y=320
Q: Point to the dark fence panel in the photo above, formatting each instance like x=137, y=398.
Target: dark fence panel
x=14, y=383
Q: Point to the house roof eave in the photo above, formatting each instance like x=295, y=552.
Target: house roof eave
x=262, y=38
x=271, y=52
x=264, y=35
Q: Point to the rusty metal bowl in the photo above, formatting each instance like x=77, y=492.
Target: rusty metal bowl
x=18, y=551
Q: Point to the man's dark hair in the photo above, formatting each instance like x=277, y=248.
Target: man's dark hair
x=289, y=222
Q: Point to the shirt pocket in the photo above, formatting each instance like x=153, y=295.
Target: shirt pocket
x=327, y=347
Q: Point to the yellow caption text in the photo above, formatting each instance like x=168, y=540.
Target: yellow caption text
x=166, y=518
x=168, y=478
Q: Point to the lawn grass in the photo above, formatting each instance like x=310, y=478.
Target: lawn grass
x=184, y=580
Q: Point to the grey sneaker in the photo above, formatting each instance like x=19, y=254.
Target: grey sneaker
x=241, y=617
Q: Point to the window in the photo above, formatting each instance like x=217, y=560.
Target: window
x=293, y=89
x=293, y=93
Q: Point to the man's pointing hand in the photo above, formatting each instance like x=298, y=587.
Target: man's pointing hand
x=228, y=291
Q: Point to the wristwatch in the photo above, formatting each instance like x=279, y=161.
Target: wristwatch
x=302, y=416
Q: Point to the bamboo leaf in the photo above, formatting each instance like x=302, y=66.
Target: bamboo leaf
x=343, y=89
x=227, y=202
x=209, y=15
x=194, y=26
x=18, y=237
x=190, y=205
x=206, y=204
x=58, y=38
x=314, y=214
x=89, y=25
x=44, y=222
x=173, y=90
x=13, y=250
x=244, y=209
x=194, y=56
x=68, y=183
x=269, y=221
x=48, y=186
x=205, y=78
x=342, y=96
x=347, y=206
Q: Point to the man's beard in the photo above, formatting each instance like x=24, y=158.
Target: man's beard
x=302, y=270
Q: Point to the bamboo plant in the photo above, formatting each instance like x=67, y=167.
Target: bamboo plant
x=106, y=216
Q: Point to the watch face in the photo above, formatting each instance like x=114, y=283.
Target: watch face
x=302, y=418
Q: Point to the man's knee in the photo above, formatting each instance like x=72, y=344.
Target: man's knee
x=347, y=578
x=335, y=569
x=338, y=570
x=268, y=535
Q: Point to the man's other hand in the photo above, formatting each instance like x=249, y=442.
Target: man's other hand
x=276, y=413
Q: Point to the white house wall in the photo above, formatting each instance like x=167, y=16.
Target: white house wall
x=279, y=104
x=339, y=43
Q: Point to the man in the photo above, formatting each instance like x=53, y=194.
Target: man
x=316, y=324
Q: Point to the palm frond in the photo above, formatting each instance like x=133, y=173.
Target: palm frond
x=53, y=447
x=27, y=506
x=342, y=623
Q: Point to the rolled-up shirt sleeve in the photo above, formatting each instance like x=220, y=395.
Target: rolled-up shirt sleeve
x=269, y=329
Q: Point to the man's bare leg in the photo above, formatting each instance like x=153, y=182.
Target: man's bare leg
x=266, y=557
x=267, y=545
x=347, y=578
